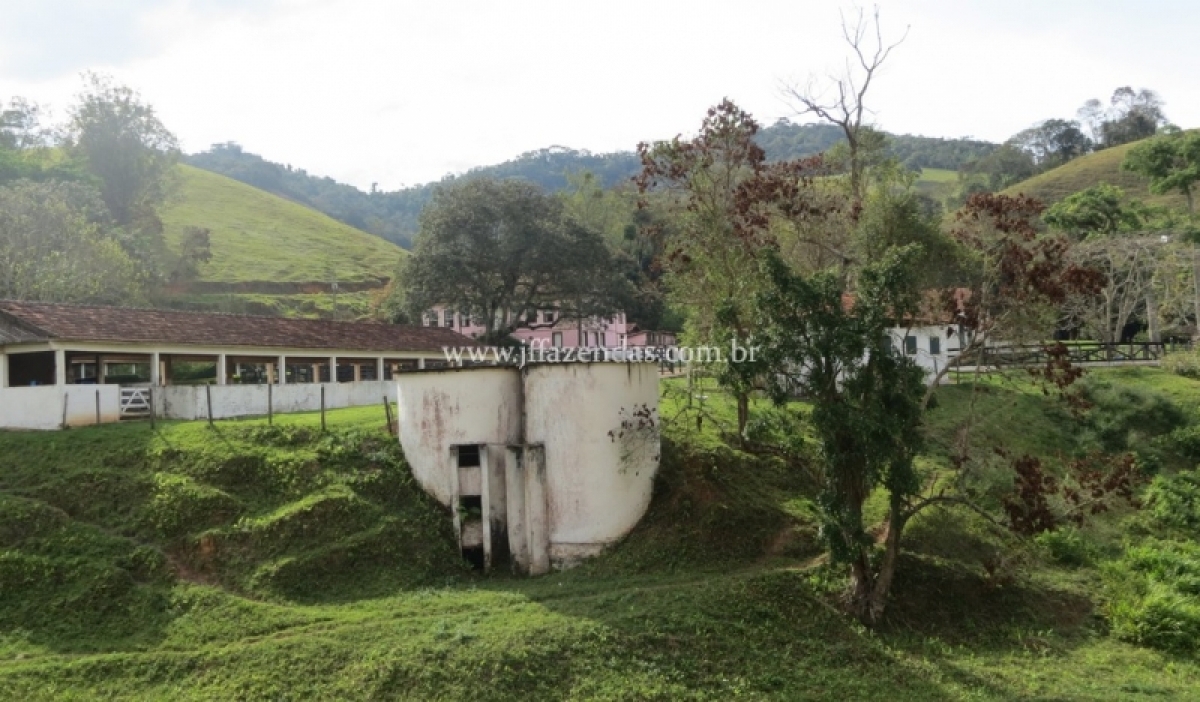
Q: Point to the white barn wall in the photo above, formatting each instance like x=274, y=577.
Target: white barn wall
x=930, y=362
x=42, y=407
x=191, y=401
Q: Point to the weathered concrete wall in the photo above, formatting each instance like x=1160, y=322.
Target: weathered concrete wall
x=580, y=471
x=42, y=407
x=191, y=401
x=599, y=425
x=440, y=409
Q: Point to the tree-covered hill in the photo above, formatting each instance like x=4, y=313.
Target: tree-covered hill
x=394, y=215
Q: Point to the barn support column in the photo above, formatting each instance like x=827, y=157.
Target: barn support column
x=60, y=367
x=222, y=370
x=281, y=370
x=379, y=369
x=3, y=370
x=333, y=374
x=155, y=370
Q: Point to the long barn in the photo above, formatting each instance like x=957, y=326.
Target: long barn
x=76, y=364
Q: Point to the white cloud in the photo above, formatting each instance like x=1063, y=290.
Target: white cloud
x=401, y=93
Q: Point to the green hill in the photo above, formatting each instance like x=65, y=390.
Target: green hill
x=263, y=243
x=1093, y=169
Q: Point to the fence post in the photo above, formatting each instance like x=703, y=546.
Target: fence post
x=97, y=406
x=153, y=417
x=322, y=407
x=208, y=394
x=66, y=398
x=387, y=413
x=270, y=404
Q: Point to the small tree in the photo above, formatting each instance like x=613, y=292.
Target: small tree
x=1100, y=209
x=1171, y=162
x=866, y=401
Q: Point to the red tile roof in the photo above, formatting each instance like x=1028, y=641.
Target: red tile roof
x=39, y=321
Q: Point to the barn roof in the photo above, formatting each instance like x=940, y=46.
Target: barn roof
x=30, y=322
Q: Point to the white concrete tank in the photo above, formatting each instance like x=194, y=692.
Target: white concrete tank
x=600, y=427
x=442, y=408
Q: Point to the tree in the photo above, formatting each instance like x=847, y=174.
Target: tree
x=195, y=250
x=1017, y=278
x=1171, y=162
x=842, y=100
x=1100, y=209
x=56, y=246
x=1001, y=168
x=723, y=196
x=866, y=402
x=501, y=249
x=123, y=143
x=1134, y=115
x=1052, y=142
x=1129, y=265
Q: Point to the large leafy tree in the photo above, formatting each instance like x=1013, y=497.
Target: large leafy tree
x=500, y=249
x=56, y=245
x=123, y=143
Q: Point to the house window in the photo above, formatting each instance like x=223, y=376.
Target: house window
x=556, y=340
x=449, y=319
x=431, y=318
x=910, y=345
x=935, y=346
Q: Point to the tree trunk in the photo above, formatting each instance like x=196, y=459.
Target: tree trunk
x=743, y=412
x=887, y=568
x=1152, y=314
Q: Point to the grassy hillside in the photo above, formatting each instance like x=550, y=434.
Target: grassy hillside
x=1093, y=169
x=251, y=562
x=261, y=238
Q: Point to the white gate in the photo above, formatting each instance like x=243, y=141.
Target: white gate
x=135, y=402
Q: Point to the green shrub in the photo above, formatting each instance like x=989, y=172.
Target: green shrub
x=1161, y=618
x=1173, y=501
x=1067, y=546
x=1153, y=595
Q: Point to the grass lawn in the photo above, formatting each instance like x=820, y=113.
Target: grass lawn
x=256, y=562
x=257, y=236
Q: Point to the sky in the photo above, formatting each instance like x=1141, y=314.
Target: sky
x=402, y=92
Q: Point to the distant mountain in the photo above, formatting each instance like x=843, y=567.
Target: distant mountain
x=394, y=215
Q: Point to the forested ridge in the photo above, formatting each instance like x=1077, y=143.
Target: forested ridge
x=394, y=215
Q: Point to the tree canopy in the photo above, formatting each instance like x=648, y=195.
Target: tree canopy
x=499, y=250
